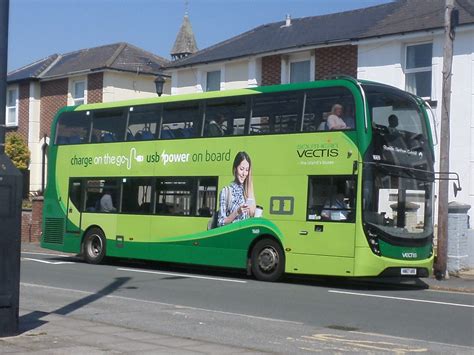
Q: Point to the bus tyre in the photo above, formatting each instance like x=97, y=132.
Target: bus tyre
x=267, y=260
x=94, y=246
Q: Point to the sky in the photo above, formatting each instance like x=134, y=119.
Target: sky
x=39, y=28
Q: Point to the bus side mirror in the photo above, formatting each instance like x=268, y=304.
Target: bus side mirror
x=456, y=188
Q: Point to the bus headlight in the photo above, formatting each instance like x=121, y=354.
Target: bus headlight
x=373, y=242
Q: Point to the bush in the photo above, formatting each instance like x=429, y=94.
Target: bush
x=17, y=150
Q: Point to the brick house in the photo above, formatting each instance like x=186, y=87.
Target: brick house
x=399, y=43
x=37, y=91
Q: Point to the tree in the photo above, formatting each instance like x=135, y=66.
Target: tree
x=17, y=150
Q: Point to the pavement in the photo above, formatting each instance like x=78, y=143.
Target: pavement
x=56, y=334
x=50, y=333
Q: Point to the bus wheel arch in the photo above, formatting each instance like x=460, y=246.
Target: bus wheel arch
x=266, y=258
x=93, y=245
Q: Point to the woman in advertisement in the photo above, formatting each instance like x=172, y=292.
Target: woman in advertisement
x=237, y=201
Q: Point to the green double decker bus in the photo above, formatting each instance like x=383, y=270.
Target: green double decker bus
x=350, y=195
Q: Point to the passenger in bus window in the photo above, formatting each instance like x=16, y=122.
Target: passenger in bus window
x=106, y=203
x=323, y=125
x=335, y=120
x=217, y=126
x=237, y=201
x=349, y=118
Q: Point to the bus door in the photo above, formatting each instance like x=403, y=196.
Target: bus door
x=74, y=206
x=132, y=235
x=329, y=229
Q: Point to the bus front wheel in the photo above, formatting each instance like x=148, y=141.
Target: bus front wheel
x=267, y=260
x=94, y=246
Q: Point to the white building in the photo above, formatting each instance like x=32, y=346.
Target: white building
x=399, y=43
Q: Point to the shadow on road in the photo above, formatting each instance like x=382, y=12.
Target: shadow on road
x=34, y=319
x=346, y=283
x=378, y=284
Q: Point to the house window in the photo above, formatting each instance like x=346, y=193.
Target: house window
x=213, y=82
x=78, y=92
x=12, y=107
x=418, y=69
x=299, y=71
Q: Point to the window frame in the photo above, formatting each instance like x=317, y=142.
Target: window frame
x=82, y=193
x=197, y=199
x=152, y=185
x=86, y=137
x=16, y=107
x=299, y=95
x=124, y=123
x=77, y=100
x=130, y=111
x=207, y=79
x=352, y=209
x=295, y=61
x=213, y=103
x=199, y=121
x=86, y=187
x=344, y=92
x=426, y=69
x=194, y=182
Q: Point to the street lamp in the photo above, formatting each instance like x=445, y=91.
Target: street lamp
x=159, y=83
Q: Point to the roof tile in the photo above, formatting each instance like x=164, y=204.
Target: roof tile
x=118, y=56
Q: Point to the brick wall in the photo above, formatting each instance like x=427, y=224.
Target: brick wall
x=271, y=70
x=31, y=221
x=24, y=110
x=36, y=218
x=95, y=84
x=340, y=60
x=26, y=226
x=53, y=97
x=330, y=61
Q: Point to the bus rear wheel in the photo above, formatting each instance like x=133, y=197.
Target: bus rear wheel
x=94, y=246
x=267, y=260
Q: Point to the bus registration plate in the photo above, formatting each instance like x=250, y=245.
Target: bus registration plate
x=408, y=271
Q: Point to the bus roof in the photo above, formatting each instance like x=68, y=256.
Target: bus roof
x=343, y=81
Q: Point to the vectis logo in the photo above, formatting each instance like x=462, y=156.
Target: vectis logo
x=318, y=150
x=318, y=153
x=410, y=255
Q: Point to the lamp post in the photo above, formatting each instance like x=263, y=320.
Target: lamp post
x=10, y=206
x=159, y=83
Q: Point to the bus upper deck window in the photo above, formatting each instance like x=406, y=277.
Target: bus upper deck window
x=108, y=126
x=225, y=117
x=180, y=120
x=322, y=103
x=275, y=113
x=143, y=123
x=73, y=128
